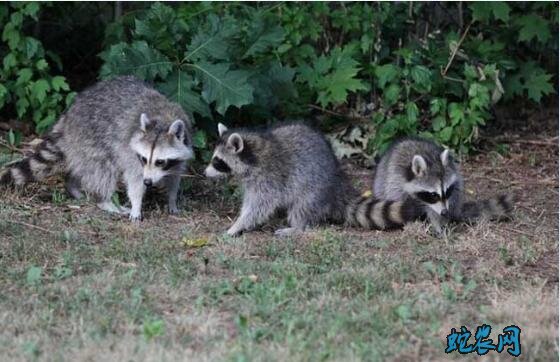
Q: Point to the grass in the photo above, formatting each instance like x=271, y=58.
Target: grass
x=77, y=283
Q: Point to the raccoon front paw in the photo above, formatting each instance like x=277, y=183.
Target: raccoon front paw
x=173, y=209
x=135, y=217
x=234, y=231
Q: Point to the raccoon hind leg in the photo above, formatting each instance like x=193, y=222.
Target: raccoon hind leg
x=301, y=216
x=173, y=184
x=73, y=186
x=255, y=210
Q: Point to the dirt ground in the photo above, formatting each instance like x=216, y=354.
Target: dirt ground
x=103, y=285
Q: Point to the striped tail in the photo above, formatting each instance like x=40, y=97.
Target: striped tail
x=372, y=213
x=495, y=208
x=41, y=164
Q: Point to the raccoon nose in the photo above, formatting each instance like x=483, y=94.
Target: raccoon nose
x=444, y=212
x=148, y=182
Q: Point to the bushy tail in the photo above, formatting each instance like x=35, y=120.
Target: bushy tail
x=495, y=208
x=41, y=164
x=372, y=213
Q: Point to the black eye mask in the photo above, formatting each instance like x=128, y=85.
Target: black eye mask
x=428, y=197
x=220, y=165
x=449, y=191
x=433, y=197
x=170, y=163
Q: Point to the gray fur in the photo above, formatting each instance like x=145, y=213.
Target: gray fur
x=290, y=167
x=100, y=136
x=412, y=165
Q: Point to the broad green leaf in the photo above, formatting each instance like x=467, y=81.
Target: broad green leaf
x=479, y=96
x=391, y=94
x=422, y=77
x=335, y=86
x=266, y=39
x=501, y=10
x=41, y=64
x=385, y=74
x=445, y=134
x=39, y=89
x=438, y=123
x=180, y=87
x=211, y=42
x=21, y=107
x=12, y=36
x=533, y=26
x=224, y=86
x=9, y=61
x=481, y=10
x=137, y=59
x=32, y=47
x=16, y=18
x=437, y=105
x=24, y=76
x=456, y=113
x=412, y=112
x=31, y=9
x=59, y=83
x=539, y=85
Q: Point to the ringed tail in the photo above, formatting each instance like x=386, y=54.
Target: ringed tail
x=372, y=213
x=39, y=165
x=494, y=208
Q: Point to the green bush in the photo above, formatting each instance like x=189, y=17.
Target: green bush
x=28, y=87
x=430, y=68
x=203, y=61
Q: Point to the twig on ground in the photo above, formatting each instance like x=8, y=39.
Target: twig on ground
x=31, y=226
x=519, y=232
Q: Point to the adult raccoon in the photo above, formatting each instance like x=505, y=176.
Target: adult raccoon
x=117, y=129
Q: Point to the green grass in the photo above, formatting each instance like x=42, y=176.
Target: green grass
x=77, y=284
x=107, y=287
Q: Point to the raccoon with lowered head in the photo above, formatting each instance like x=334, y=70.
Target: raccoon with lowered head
x=291, y=167
x=422, y=170
x=117, y=129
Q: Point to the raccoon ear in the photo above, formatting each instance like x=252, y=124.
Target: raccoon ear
x=221, y=129
x=177, y=129
x=419, y=166
x=235, y=142
x=445, y=157
x=144, y=122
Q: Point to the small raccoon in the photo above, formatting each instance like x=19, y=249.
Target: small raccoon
x=119, y=128
x=291, y=167
x=420, y=169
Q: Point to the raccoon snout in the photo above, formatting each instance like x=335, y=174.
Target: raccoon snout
x=444, y=213
x=148, y=182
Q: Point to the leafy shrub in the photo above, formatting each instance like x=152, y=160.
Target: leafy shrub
x=28, y=88
x=205, y=62
x=431, y=68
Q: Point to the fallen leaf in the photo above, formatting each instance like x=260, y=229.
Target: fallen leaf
x=195, y=243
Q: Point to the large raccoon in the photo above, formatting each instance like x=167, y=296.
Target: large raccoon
x=420, y=169
x=117, y=129
x=291, y=167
